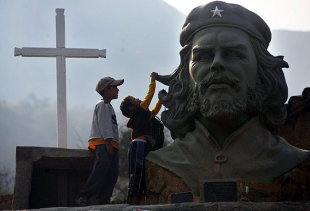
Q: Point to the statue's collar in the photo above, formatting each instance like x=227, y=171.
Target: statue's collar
x=246, y=126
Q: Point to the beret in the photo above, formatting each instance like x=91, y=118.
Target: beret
x=218, y=13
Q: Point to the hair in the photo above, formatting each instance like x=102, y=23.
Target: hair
x=270, y=84
x=124, y=107
x=102, y=93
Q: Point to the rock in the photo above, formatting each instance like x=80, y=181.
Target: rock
x=160, y=184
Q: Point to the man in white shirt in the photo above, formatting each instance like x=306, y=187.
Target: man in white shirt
x=104, y=140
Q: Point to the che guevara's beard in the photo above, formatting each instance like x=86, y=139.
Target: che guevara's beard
x=224, y=109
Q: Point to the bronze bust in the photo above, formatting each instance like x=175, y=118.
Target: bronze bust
x=225, y=100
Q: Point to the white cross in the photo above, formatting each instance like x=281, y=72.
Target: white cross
x=60, y=52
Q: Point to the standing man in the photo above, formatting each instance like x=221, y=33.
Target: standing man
x=104, y=141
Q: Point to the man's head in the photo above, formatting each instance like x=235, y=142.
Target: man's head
x=129, y=106
x=225, y=70
x=107, y=87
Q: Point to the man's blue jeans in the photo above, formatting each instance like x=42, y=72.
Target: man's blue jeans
x=103, y=176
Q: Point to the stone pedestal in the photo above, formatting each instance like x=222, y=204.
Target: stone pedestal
x=292, y=186
x=49, y=177
x=161, y=184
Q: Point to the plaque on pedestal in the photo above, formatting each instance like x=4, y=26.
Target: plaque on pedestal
x=220, y=191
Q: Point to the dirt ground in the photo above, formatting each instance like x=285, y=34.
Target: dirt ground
x=6, y=202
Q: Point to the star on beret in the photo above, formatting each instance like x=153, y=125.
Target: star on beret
x=216, y=11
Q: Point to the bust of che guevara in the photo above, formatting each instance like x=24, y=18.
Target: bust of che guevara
x=224, y=101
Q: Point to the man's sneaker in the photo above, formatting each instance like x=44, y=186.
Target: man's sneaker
x=82, y=201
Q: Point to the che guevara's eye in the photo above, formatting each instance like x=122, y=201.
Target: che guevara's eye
x=232, y=54
x=203, y=56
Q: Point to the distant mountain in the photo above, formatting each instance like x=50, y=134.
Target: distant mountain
x=294, y=45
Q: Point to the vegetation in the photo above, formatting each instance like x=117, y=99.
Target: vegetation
x=6, y=181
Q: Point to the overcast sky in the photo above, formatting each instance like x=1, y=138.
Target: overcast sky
x=31, y=23
x=279, y=14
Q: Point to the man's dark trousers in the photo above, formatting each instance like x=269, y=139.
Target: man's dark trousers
x=104, y=175
x=137, y=152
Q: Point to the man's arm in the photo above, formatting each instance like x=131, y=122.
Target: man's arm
x=145, y=103
x=156, y=109
x=105, y=126
x=109, y=146
x=158, y=105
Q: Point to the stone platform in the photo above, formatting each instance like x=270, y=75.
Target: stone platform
x=219, y=206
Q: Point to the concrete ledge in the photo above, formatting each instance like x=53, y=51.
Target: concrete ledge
x=28, y=158
x=251, y=206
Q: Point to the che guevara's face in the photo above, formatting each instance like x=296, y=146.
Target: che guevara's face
x=223, y=67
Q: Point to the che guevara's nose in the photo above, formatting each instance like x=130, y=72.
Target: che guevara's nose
x=217, y=64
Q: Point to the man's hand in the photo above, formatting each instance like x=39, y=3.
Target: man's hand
x=153, y=76
x=163, y=92
x=109, y=147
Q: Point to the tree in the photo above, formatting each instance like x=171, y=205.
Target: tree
x=6, y=181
